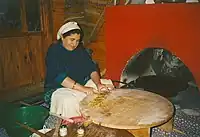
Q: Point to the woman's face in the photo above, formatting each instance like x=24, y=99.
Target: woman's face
x=71, y=42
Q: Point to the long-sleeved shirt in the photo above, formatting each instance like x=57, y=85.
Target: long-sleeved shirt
x=62, y=63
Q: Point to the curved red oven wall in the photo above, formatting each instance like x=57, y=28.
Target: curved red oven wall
x=130, y=29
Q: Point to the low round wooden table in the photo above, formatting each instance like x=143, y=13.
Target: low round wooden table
x=134, y=110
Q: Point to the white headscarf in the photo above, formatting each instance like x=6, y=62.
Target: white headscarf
x=67, y=27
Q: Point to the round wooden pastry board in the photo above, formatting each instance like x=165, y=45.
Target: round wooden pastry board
x=127, y=109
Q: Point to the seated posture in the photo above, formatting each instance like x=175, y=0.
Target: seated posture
x=68, y=70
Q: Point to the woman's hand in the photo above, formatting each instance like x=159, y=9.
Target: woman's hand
x=105, y=87
x=89, y=90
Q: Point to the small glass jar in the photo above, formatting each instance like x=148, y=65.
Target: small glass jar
x=63, y=131
x=80, y=131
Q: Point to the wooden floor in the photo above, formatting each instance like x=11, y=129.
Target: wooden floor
x=22, y=92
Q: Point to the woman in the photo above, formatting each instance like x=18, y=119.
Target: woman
x=69, y=67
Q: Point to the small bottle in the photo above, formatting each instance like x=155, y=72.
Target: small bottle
x=63, y=131
x=80, y=131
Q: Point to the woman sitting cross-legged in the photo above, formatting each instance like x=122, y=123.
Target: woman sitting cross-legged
x=69, y=69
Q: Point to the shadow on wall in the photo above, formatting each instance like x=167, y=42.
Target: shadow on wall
x=157, y=70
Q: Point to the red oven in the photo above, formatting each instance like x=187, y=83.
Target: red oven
x=131, y=30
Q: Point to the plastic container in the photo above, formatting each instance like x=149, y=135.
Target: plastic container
x=32, y=116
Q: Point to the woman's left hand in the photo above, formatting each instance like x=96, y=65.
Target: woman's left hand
x=105, y=87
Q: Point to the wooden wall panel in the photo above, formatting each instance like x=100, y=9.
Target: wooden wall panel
x=36, y=58
x=58, y=8
x=99, y=49
x=1, y=71
x=74, y=8
x=47, y=30
x=22, y=62
x=15, y=61
x=93, y=10
x=22, y=56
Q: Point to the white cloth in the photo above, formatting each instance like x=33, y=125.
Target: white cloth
x=67, y=27
x=65, y=101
